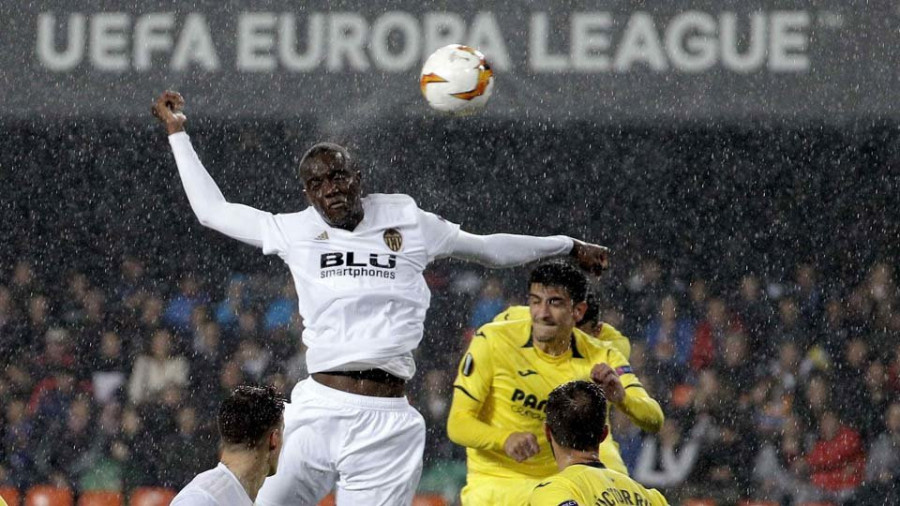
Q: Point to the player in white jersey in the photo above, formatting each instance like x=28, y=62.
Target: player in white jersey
x=251, y=428
x=357, y=265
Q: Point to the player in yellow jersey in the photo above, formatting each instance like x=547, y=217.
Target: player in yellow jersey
x=505, y=377
x=590, y=324
x=576, y=415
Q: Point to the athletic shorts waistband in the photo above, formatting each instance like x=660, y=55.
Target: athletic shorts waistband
x=360, y=401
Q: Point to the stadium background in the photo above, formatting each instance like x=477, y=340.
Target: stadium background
x=700, y=180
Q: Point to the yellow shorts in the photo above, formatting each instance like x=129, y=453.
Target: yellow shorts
x=482, y=490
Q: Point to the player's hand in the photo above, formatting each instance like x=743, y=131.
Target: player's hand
x=603, y=375
x=521, y=446
x=168, y=110
x=590, y=257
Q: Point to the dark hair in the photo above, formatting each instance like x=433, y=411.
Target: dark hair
x=576, y=415
x=562, y=275
x=592, y=313
x=322, y=149
x=248, y=414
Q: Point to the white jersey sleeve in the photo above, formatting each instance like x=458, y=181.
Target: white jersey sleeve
x=238, y=221
x=507, y=250
x=440, y=235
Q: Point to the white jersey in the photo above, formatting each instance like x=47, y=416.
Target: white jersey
x=216, y=487
x=361, y=293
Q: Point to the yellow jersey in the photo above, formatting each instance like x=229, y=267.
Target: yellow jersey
x=587, y=485
x=607, y=333
x=502, y=387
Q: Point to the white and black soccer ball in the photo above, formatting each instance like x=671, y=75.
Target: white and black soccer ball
x=457, y=79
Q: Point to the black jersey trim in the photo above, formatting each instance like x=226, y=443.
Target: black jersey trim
x=463, y=390
x=638, y=385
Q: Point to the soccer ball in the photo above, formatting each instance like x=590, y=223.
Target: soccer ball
x=457, y=79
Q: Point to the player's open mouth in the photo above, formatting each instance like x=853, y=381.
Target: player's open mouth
x=340, y=204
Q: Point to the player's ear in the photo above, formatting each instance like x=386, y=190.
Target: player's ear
x=604, y=433
x=275, y=439
x=579, y=310
x=548, y=434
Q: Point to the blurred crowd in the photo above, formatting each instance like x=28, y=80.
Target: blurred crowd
x=775, y=389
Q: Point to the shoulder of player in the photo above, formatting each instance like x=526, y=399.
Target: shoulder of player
x=610, y=333
x=194, y=495
x=513, y=333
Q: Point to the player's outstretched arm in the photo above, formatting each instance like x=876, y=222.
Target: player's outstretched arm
x=234, y=220
x=510, y=250
x=626, y=392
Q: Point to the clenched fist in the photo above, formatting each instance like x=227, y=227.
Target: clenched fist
x=168, y=110
x=603, y=375
x=521, y=446
x=590, y=257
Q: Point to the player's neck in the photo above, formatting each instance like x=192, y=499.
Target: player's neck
x=249, y=467
x=556, y=346
x=566, y=457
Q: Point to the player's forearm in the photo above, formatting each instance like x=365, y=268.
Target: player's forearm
x=508, y=250
x=209, y=205
x=464, y=429
x=642, y=409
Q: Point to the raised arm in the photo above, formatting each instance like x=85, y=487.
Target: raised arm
x=238, y=221
x=509, y=250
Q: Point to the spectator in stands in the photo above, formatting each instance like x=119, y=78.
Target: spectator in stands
x=18, y=454
x=754, y=310
x=38, y=323
x=709, y=334
x=180, y=307
x=876, y=401
x=667, y=458
x=186, y=449
x=489, y=303
x=835, y=331
x=850, y=393
x=109, y=368
x=254, y=359
x=737, y=369
x=669, y=340
x=775, y=464
x=59, y=452
x=281, y=309
x=156, y=370
x=789, y=326
x=882, y=483
x=234, y=303
x=134, y=451
x=814, y=400
x=835, y=465
x=434, y=404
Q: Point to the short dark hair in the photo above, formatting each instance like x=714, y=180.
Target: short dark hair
x=324, y=148
x=563, y=275
x=576, y=415
x=248, y=414
x=592, y=313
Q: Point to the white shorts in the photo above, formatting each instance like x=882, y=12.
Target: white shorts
x=370, y=447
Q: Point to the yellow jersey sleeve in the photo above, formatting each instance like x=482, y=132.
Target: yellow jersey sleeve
x=470, y=390
x=642, y=409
